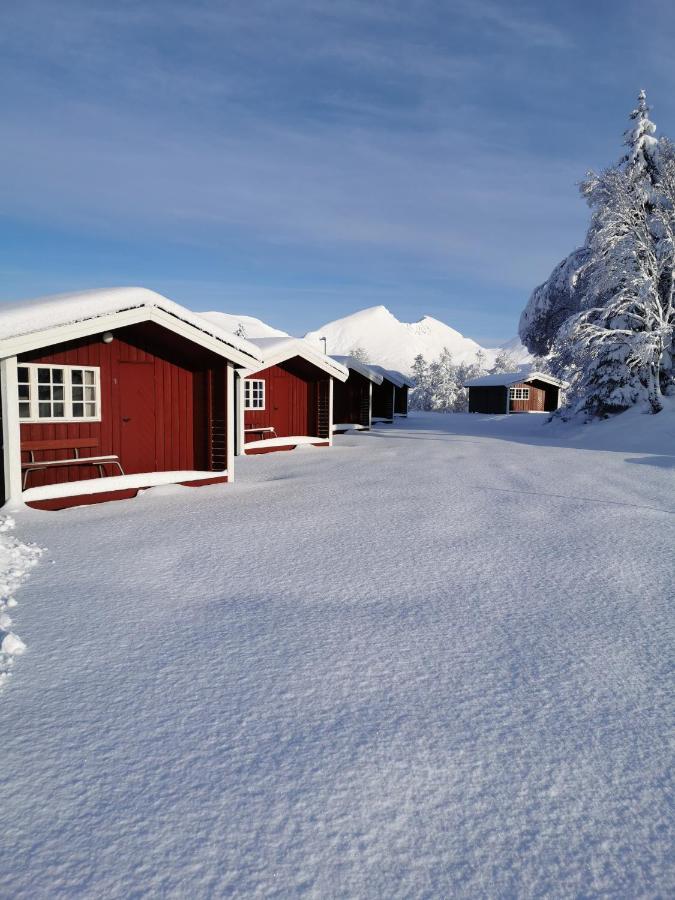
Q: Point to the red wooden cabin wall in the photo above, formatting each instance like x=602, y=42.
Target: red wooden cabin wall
x=175, y=436
x=291, y=400
x=351, y=400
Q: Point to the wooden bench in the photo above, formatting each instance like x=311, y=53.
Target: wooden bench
x=261, y=431
x=73, y=445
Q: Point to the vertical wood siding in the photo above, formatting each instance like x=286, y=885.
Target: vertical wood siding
x=351, y=400
x=181, y=418
x=289, y=403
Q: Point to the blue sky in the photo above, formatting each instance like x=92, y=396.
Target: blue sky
x=300, y=160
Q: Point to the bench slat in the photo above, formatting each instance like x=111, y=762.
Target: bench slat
x=72, y=461
x=62, y=444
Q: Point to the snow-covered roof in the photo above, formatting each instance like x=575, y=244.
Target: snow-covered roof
x=506, y=379
x=362, y=368
x=273, y=350
x=397, y=378
x=61, y=317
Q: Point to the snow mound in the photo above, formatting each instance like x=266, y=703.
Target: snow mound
x=16, y=558
x=252, y=327
x=394, y=344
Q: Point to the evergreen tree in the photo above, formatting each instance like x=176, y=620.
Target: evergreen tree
x=421, y=395
x=359, y=354
x=607, y=312
x=241, y=331
x=504, y=362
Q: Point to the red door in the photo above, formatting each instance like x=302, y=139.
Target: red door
x=137, y=409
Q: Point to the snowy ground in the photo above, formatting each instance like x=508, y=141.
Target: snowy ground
x=432, y=661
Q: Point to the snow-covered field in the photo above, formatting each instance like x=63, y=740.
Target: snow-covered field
x=431, y=661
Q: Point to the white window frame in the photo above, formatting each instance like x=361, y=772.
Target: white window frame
x=519, y=393
x=249, y=394
x=35, y=418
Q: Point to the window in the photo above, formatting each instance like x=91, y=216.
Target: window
x=519, y=393
x=254, y=394
x=61, y=393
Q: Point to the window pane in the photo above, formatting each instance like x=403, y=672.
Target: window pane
x=89, y=393
x=88, y=377
x=44, y=392
x=22, y=372
x=43, y=376
x=57, y=376
x=57, y=392
x=45, y=410
x=76, y=376
x=78, y=409
x=24, y=391
x=90, y=409
x=59, y=410
x=24, y=410
x=78, y=393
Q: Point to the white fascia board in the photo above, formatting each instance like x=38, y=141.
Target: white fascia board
x=60, y=334
x=366, y=371
x=325, y=363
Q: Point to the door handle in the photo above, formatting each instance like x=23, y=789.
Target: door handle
x=126, y=418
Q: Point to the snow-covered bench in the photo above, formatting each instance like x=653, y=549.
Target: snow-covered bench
x=72, y=445
x=261, y=431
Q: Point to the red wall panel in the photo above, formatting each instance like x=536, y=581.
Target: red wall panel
x=181, y=437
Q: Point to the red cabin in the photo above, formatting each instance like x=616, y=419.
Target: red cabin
x=353, y=398
x=289, y=400
x=108, y=392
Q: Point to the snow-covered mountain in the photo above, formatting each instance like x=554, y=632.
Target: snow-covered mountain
x=395, y=344
x=254, y=328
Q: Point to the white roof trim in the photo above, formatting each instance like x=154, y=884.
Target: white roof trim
x=396, y=378
x=362, y=368
x=507, y=379
x=276, y=350
x=145, y=308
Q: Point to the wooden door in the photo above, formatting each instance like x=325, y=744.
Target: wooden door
x=137, y=410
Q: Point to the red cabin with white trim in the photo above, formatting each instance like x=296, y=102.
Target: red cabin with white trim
x=108, y=392
x=289, y=401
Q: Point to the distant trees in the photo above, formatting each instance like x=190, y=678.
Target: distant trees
x=359, y=354
x=241, y=331
x=439, y=385
x=606, y=315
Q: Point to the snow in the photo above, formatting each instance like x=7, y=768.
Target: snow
x=363, y=368
x=254, y=328
x=272, y=349
x=503, y=379
x=16, y=560
x=396, y=378
x=395, y=344
x=42, y=313
x=431, y=661
x=294, y=440
x=140, y=480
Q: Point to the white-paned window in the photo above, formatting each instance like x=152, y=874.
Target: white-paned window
x=519, y=393
x=254, y=394
x=59, y=393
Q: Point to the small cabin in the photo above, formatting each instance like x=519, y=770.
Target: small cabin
x=353, y=398
x=107, y=392
x=288, y=400
x=390, y=398
x=514, y=392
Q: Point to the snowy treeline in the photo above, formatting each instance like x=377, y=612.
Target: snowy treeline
x=439, y=385
x=606, y=314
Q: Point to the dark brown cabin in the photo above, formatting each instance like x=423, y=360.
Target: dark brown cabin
x=514, y=392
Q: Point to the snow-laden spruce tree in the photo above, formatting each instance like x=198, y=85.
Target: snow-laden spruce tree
x=241, y=331
x=358, y=353
x=504, y=362
x=610, y=329
x=420, y=397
